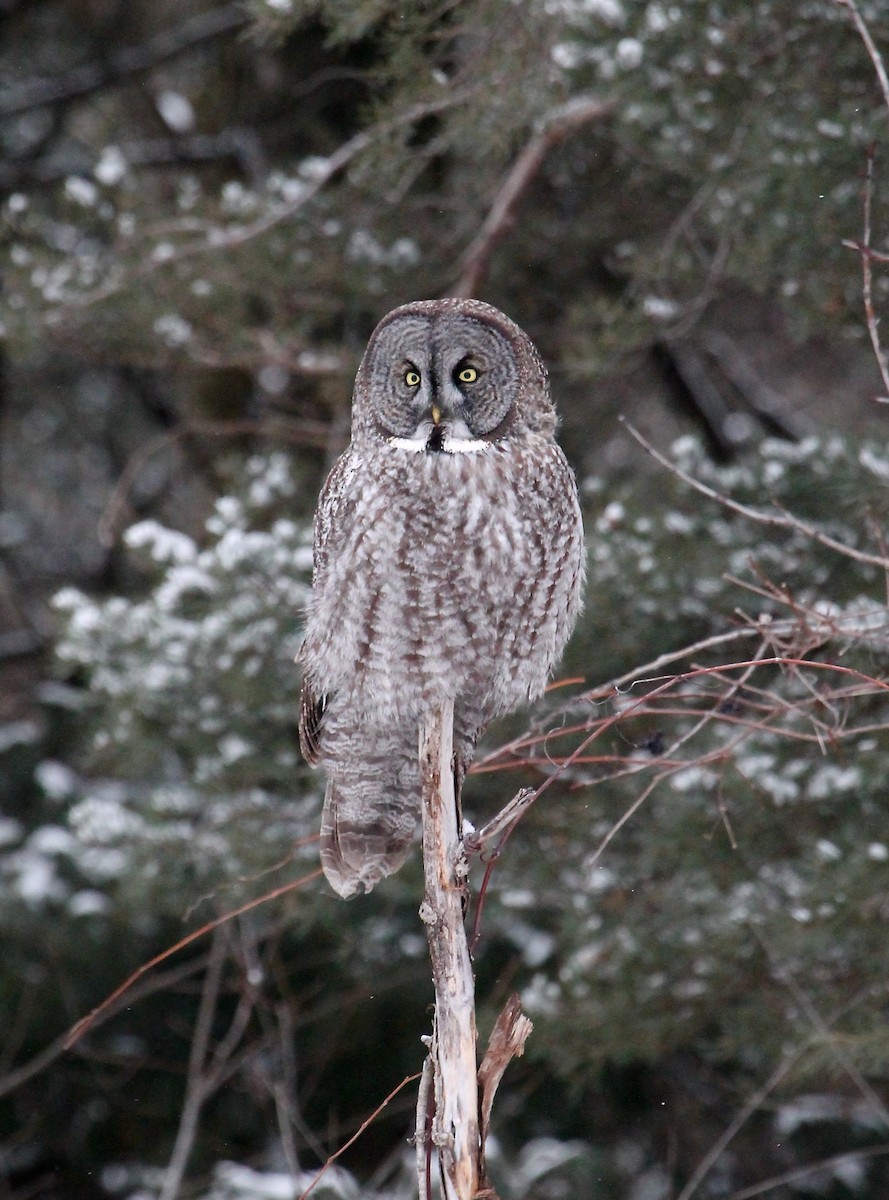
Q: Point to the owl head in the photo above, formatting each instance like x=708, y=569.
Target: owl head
x=449, y=376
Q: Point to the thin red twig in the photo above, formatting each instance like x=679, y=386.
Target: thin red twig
x=83, y=1025
x=361, y=1128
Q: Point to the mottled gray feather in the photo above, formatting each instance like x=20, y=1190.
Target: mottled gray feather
x=439, y=572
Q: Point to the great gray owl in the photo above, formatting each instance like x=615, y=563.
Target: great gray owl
x=448, y=564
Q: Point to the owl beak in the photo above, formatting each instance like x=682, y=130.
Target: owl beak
x=436, y=415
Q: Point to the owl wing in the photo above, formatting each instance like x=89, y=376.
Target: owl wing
x=334, y=506
x=311, y=712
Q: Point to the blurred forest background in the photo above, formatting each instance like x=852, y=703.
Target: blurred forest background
x=206, y=208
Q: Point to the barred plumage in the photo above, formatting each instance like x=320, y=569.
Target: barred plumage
x=448, y=563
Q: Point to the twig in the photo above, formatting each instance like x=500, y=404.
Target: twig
x=77, y=1031
x=558, y=125
x=120, y=66
x=795, y=1173
x=867, y=277
x=218, y=240
x=868, y=255
x=820, y=1027
x=519, y=805
x=642, y=674
x=864, y=248
x=668, y=760
x=283, y=1090
x=234, y=881
x=455, y=1127
x=17, y=1076
x=841, y=625
x=788, y=1062
x=783, y=520
x=709, y=716
x=511, y=812
x=196, y=1082
x=870, y=45
x=501, y=825
x=355, y=1136
x=848, y=628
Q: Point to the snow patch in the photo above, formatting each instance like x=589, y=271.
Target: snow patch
x=164, y=545
x=111, y=166
x=176, y=111
x=56, y=779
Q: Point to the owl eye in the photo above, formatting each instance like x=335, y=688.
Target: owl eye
x=467, y=375
x=412, y=378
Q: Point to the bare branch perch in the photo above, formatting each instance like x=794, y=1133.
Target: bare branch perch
x=509, y=815
x=455, y=1125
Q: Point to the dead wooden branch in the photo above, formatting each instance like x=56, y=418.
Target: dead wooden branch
x=509, y=815
x=455, y=1124
x=507, y=1041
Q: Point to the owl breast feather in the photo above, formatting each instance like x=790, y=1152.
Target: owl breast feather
x=443, y=575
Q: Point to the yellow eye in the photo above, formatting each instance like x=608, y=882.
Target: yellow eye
x=467, y=375
x=412, y=378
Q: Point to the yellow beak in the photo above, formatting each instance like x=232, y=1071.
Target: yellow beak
x=436, y=415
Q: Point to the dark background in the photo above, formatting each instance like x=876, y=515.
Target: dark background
x=206, y=209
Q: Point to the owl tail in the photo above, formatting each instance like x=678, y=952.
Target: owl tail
x=372, y=803
x=365, y=835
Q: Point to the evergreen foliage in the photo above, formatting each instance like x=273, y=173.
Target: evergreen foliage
x=733, y=150
x=754, y=870
x=208, y=206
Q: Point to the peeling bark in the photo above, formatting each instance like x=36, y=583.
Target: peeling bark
x=455, y=1124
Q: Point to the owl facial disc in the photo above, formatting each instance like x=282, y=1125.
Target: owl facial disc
x=440, y=381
